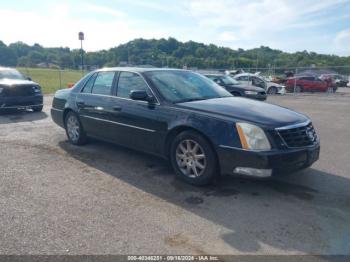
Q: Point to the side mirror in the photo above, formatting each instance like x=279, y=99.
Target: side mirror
x=141, y=95
x=29, y=78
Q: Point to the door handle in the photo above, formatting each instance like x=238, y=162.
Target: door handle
x=117, y=108
x=80, y=104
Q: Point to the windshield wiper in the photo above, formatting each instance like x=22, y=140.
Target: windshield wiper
x=195, y=99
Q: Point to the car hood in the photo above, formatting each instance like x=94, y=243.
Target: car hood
x=246, y=87
x=16, y=82
x=247, y=110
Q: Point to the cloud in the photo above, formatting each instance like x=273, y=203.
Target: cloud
x=342, y=42
x=289, y=25
x=227, y=36
x=267, y=22
x=59, y=26
x=104, y=10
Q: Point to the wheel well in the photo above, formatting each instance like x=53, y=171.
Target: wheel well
x=65, y=112
x=177, y=130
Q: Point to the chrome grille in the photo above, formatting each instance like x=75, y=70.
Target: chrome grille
x=300, y=136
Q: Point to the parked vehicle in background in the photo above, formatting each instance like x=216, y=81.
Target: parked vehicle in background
x=18, y=91
x=256, y=80
x=337, y=80
x=237, y=89
x=309, y=84
x=185, y=117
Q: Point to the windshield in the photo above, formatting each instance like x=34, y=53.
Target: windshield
x=11, y=74
x=182, y=86
x=229, y=80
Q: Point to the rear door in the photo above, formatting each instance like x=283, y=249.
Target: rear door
x=95, y=104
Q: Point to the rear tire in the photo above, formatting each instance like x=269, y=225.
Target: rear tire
x=298, y=89
x=37, y=108
x=193, y=158
x=74, y=130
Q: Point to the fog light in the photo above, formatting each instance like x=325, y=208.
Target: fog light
x=253, y=172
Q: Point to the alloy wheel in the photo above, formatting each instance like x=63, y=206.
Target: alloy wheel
x=73, y=128
x=191, y=158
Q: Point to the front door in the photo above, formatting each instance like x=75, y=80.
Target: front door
x=138, y=124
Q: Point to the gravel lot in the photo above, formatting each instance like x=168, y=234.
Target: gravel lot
x=56, y=198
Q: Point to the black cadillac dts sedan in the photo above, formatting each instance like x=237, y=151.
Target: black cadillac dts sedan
x=182, y=116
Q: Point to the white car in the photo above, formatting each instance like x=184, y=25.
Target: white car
x=256, y=80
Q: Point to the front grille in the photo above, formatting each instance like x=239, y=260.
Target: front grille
x=299, y=136
x=22, y=90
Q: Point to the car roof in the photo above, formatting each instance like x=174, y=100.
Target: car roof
x=137, y=69
x=214, y=75
x=246, y=74
x=6, y=68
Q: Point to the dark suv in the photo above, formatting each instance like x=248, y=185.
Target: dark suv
x=18, y=91
x=238, y=89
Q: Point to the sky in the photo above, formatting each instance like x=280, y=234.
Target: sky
x=322, y=26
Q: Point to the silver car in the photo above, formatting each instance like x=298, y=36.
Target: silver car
x=256, y=80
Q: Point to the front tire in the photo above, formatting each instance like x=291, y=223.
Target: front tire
x=298, y=89
x=272, y=91
x=193, y=158
x=74, y=130
x=37, y=108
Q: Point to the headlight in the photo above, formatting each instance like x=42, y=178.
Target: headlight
x=250, y=92
x=252, y=137
x=37, y=89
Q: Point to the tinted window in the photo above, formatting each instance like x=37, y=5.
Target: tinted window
x=130, y=82
x=103, y=83
x=89, y=84
x=180, y=86
x=243, y=78
x=308, y=78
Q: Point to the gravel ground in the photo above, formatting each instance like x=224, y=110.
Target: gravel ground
x=56, y=198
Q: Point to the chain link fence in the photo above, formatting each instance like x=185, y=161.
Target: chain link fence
x=294, y=80
x=52, y=80
x=291, y=80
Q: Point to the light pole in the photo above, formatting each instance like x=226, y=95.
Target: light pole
x=81, y=38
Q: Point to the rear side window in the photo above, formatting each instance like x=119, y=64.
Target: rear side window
x=103, y=83
x=130, y=82
x=243, y=78
x=89, y=84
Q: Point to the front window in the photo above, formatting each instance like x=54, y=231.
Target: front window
x=182, y=86
x=130, y=82
x=11, y=74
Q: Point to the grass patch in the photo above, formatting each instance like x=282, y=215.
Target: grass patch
x=51, y=80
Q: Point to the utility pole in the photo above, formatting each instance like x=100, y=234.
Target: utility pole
x=81, y=38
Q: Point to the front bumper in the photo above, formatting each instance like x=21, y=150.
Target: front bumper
x=278, y=161
x=21, y=101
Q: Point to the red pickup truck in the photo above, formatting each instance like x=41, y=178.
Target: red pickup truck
x=308, y=84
